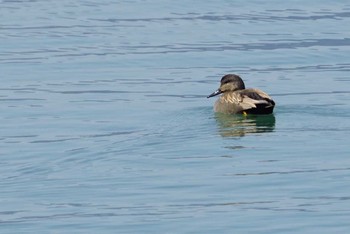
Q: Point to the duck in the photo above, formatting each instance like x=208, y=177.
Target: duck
x=236, y=99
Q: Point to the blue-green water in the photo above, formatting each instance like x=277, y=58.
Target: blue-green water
x=105, y=127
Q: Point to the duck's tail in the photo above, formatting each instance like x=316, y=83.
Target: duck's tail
x=262, y=108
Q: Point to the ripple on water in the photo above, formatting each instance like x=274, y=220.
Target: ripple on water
x=105, y=124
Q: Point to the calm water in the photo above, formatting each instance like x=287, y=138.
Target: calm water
x=105, y=127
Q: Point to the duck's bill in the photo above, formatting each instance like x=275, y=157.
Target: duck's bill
x=217, y=92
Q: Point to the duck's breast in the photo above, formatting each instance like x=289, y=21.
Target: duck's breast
x=227, y=103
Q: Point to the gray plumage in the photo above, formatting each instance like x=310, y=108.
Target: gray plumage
x=235, y=99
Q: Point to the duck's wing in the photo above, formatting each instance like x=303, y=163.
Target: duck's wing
x=251, y=98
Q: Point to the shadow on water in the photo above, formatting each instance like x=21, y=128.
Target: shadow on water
x=239, y=126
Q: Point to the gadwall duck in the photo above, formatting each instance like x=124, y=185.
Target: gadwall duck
x=236, y=99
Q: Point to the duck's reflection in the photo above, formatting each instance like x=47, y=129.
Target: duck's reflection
x=239, y=126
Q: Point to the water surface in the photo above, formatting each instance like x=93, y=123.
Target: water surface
x=105, y=126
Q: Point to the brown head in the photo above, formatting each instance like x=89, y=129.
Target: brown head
x=229, y=83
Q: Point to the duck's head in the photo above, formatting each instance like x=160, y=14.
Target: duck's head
x=229, y=83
